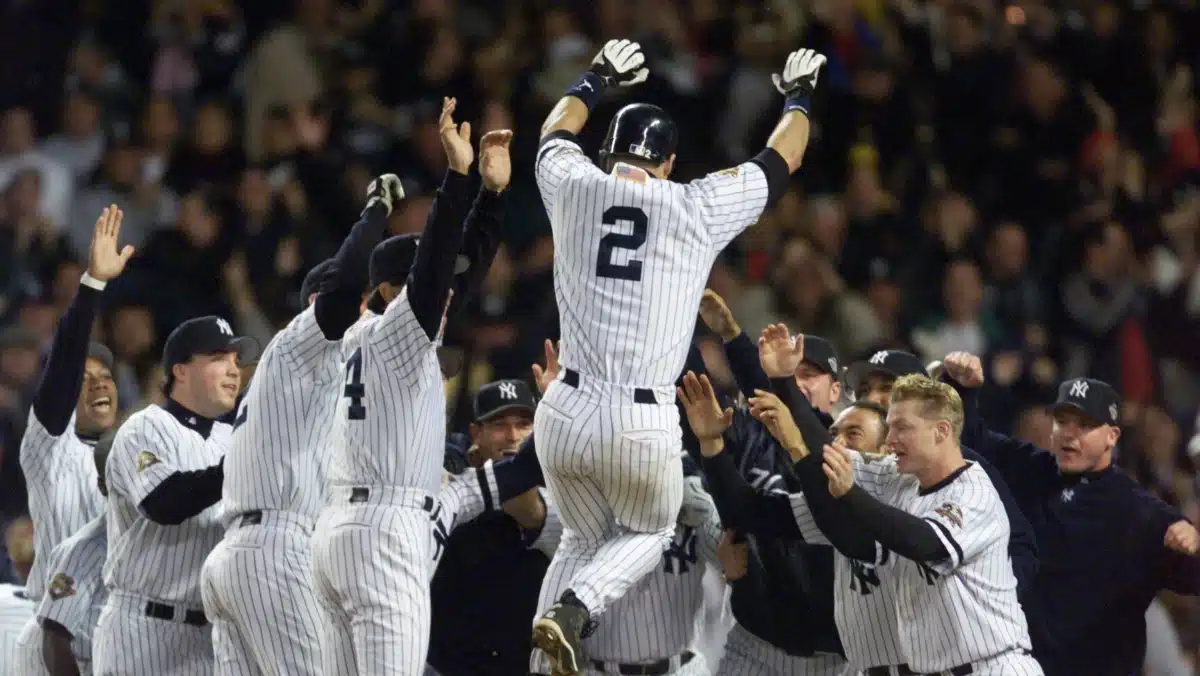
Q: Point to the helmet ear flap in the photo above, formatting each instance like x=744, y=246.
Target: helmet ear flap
x=605, y=160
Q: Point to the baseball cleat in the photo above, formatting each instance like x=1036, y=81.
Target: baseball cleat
x=557, y=633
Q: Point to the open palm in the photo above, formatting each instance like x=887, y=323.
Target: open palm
x=104, y=260
x=456, y=138
x=778, y=353
x=704, y=413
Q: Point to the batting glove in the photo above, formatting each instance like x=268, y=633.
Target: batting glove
x=799, y=78
x=386, y=190
x=620, y=63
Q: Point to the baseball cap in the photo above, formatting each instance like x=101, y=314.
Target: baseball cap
x=312, y=281
x=821, y=354
x=392, y=259
x=895, y=363
x=502, y=396
x=101, y=354
x=1095, y=399
x=207, y=335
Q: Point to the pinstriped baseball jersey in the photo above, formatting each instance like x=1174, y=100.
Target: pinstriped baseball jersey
x=658, y=618
x=632, y=254
x=15, y=610
x=392, y=404
x=147, y=559
x=63, y=494
x=76, y=594
x=279, y=454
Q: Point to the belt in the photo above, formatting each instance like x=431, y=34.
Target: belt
x=360, y=494
x=663, y=666
x=271, y=517
x=161, y=611
x=904, y=670
x=641, y=395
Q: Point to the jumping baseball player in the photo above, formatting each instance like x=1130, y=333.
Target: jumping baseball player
x=164, y=478
x=374, y=545
x=632, y=254
x=257, y=583
x=60, y=643
x=16, y=608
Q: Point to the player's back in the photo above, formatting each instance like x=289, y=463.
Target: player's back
x=279, y=453
x=391, y=406
x=77, y=592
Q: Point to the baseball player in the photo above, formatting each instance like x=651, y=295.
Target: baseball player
x=16, y=608
x=871, y=379
x=257, y=584
x=75, y=402
x=61, y=641
x=632, y=254
x=164, y=479
x=374, y=546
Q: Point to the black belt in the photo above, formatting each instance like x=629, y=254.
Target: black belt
x=648, y=669
x=360, y=494
x=161, y=611
x=904, y=670
x=251, y=518
x=640, y=395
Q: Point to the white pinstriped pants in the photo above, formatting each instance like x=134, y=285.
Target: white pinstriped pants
x=127, y=643
x=258, y=594
x=749, y=655
x=372, y=565
x=613, y=469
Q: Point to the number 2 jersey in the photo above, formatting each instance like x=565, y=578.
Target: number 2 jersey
x=632, y=254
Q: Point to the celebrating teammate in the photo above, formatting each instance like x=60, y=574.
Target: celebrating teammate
x=375, y=545
x=632, y=253
x=164, y=478
x=257, y=583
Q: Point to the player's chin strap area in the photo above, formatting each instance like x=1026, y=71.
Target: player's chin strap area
x=664, y=666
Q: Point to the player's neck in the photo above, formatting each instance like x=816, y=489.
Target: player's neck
x=948, y=461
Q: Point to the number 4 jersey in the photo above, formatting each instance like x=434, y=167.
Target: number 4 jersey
x=632, y=254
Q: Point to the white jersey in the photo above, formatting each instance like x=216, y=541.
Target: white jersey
x=60, y=475
x=659, y=618
x=15, y=610
x=632, y=254
x=147, y=559
x=75, y=593
x=391, y=406
x=279, y=457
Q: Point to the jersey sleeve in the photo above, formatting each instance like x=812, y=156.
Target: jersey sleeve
x=464, y=495
x=969, y=520
x=730, y=200
x=303, y=345
x=37, y=452
x=708, y=537
x=805, y=522
x=550, y=536
x=68, y=598
x=144, y=454
x=876, y=474
x=559, y=159
x=398, y=343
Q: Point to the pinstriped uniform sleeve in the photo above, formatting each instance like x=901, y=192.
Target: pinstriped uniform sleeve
x=877, y=475
x=464, y=494
x=730, y=200
x=708, y=537
x=552, y=529
x=38, y=454
x=559, y=159
x=397, y=340
x=805, y=521
x=75, y=581
x=146, y=454
x=304, y=345
x=968, y=519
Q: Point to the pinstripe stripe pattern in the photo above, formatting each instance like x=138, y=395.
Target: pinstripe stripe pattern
x=27, y=650
x=15, y=611
x=749, y=655
x=127, y=643
x=61, y=478
x=80, y=557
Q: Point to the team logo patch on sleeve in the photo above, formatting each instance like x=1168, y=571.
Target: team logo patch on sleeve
x=950, y=512
x=732, y=171
x=61, y=586
x=146, y=459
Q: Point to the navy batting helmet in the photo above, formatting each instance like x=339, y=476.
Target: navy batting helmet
x=639, y=130
x=312, y=281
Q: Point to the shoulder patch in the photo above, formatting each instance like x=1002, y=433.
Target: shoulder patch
x=950, y=512
x=146, y=459
x=61, y=586
x=732, y=171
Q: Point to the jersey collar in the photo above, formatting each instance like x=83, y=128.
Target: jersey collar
x=945, y=482
x=189, y=419
x=1084, y=477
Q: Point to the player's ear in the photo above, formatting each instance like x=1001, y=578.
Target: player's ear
x=473, y=431
x=1114, y=435
x=942, y=430
x=835, y=390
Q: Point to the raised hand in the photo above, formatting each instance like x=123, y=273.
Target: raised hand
x=385, y=189
x=965, y=368
x=716, y=316
x=1183, y=538
x=704, y=413
x=544, y=376
x=771, y=412
x=495, y=164
x=456, y=138
x=778, y=353
x=839, y=468
x=104, y=261
x=621, y=63
x=799, y=77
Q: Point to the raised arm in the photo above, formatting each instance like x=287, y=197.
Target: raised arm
x=739, y=349
x=340, y=293
x=481, y=240
x=620, y=63
x=796, y=83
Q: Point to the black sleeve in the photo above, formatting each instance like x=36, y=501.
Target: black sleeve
x=184, y=495
x=744, y=509
x=337, y=304
x=742, y=354
x=898, y=531
x=778, y=174
x=433, y=268
x=62, y=379
x=481, y=241
x=514, y=476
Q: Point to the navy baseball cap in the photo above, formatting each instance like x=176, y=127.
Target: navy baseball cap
x=821, y=354
x=894, y=363
x=207, y=335
x=101, y=354
x=312, y=281
x=392, y=259
x=503, y=396
x=1095, y=399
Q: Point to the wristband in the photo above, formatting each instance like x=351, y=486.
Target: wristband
x=801, y=101
x=91, y=282
x=587, y=88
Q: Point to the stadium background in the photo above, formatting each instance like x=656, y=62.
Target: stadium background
x=1018, y=180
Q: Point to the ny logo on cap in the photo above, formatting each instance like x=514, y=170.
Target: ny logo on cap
x=878, y=358
x=224, y=326
x=833, y=364
x=508, y=390
x=1112, y=411
x=1079, y=389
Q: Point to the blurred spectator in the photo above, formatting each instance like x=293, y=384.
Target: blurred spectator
x=1012, y=297
x=18, y=152
x=80, y=145
x=962, y=325
x=147, y=205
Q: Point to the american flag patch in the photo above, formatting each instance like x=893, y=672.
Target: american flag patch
x=630, y=173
